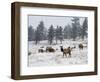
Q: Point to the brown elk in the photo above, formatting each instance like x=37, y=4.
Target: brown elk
x=66, y=51
x=41, y=50
x=80, y=46
x=50, y=49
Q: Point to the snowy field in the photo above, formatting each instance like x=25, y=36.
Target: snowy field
x=36, y=58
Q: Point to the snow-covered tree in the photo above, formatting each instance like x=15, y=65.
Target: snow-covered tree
x=67, y=32
x=60, y=34
x=30, y=33
x=37, y=36
x=41, y=29
x=76, y=28
x=84, y=28
x=45, y=34
x=57, y=34
x=51, y=34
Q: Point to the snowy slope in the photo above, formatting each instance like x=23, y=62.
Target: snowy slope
x=56, y=58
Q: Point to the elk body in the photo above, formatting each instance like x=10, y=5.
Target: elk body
x=80, y=46
x=41, y=50
x=50, y=49
x=66, y=51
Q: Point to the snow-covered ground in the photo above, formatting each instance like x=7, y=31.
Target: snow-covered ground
x=56, y=58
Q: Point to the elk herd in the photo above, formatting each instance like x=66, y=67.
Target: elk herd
x=65, y=51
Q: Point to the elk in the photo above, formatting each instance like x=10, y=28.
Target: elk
x=66, y=51
x=40, y=50
x=80, y=46
x=50, y=49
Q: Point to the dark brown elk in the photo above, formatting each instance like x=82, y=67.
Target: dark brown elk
x=80, y=46
x=66, y=51
x=50, y=49
x=40, y=50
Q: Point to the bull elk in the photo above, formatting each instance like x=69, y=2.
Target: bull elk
x=66, y=51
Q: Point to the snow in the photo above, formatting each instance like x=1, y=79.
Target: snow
x=56, y=58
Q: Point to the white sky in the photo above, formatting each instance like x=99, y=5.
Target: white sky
x=48, y=20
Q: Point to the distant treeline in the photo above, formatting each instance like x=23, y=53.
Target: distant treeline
x=70, y=31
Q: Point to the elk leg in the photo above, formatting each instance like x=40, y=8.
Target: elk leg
x=69, y=54
x=66, y=55
x=63, y=54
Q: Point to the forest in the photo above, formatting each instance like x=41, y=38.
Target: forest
x=71, y=31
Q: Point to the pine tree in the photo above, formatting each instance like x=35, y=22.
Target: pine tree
x=41, y=29
x=51, y=34
x=60, y=34
x=40, y=32
x=84, y=28
x=57, y=34
x=67, y=32
x=30, y=33
x=75, y=27
x=37, y=35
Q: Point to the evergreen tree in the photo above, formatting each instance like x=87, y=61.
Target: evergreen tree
x=67, y=32
x=45, y=34
x=84, y=28
x=37, y=35
x=60, y=34
x=75, y=28
x=51, y=34
x=30, y=33
x=57, y=34
x=41, y=29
